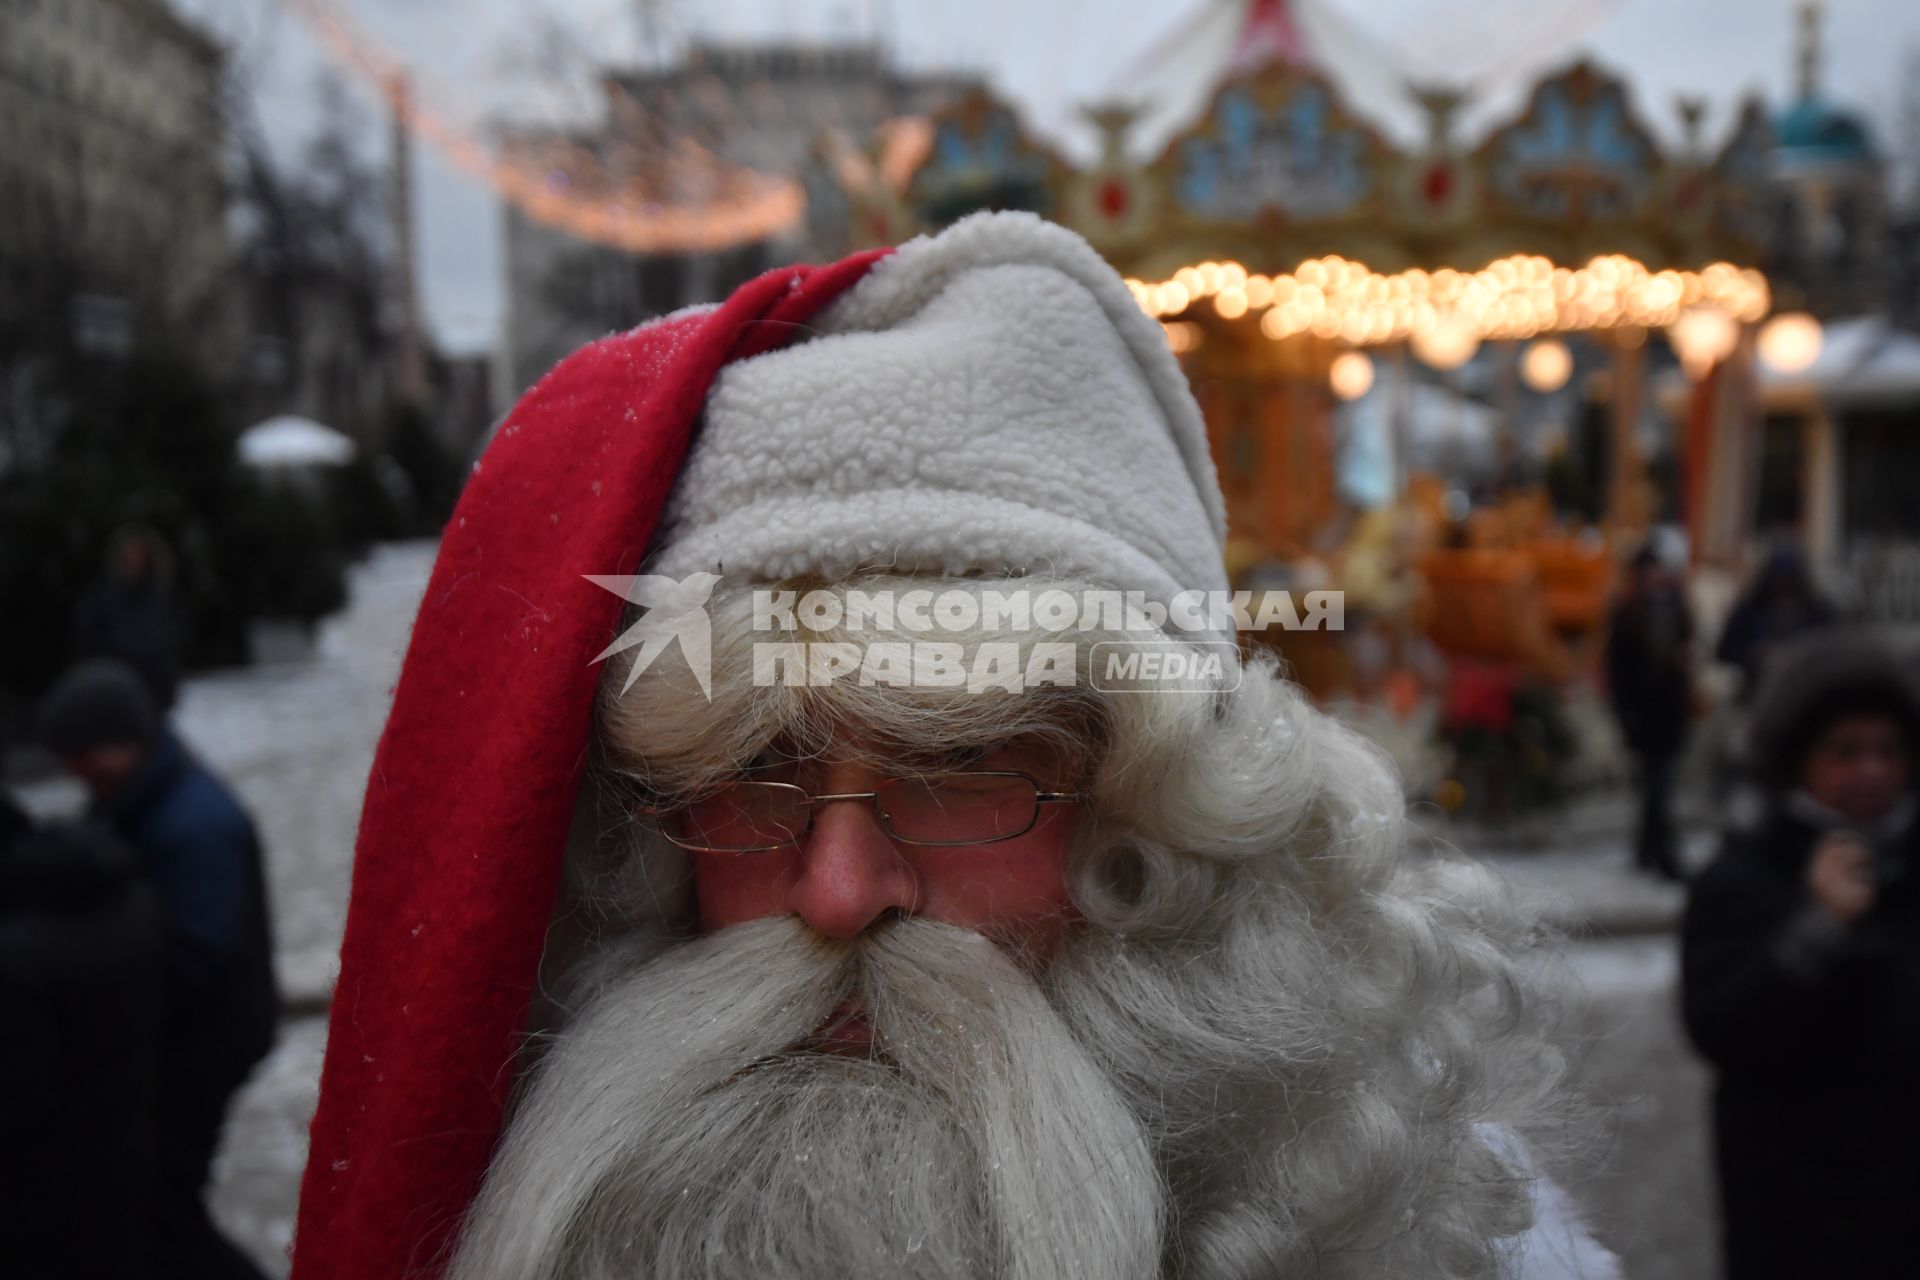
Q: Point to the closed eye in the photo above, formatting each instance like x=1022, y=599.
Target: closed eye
x=958, y=760
x=772, y=764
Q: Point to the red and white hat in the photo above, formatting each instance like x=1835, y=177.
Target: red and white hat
x=989, y=398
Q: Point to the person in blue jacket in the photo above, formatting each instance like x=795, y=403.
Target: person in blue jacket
x=197, y=847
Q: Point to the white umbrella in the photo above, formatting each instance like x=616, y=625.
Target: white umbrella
x=293, y=441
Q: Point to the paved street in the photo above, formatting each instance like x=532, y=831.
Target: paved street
x=1650, y=1193
x=298, y=737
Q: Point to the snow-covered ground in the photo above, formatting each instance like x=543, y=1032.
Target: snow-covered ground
x=298, y=737
x=256, y=1176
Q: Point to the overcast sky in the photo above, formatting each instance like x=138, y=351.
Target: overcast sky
x=473, y=62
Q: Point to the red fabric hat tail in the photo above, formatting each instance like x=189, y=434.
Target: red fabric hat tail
x=463, y=836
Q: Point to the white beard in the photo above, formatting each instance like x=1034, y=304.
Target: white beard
x=673, y=1129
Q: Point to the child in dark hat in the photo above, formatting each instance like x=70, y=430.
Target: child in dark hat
x=1801, y=975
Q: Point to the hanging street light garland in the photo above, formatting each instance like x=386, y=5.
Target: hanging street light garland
x=742, y=206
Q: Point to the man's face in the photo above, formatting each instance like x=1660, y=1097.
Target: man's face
x=1859, y=767
x=855, y=1070
x=849, y=873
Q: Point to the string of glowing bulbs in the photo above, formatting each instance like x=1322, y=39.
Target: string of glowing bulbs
x=1451, y=312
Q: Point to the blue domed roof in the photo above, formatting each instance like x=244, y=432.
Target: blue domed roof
x=1813, y=129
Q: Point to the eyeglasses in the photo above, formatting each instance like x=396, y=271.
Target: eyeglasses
x=938, y=809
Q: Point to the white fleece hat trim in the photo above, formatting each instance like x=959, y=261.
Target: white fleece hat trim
x=987, y=399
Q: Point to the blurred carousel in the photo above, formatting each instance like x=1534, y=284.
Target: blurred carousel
x=1425, y=370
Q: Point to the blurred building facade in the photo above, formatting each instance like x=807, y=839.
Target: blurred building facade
x=326, y=275
x=1834, y=450
x=1832, y=250
x=112, y=187
x=696, y=130
x=312, y=280
x=134, y=209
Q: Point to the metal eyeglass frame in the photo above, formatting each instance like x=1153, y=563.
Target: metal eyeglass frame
x=813, y=802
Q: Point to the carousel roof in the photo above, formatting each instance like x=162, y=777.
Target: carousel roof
x=1176, y=75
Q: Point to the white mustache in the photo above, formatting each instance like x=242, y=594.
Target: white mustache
x=646, y=1097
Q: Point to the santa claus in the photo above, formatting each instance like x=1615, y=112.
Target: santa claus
x=859, y=914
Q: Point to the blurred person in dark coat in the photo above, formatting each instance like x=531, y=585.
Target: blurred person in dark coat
x=1779, y=606
x=1801, y=976
x=197, y=847
x=1650, y=681
x=80, y=948
x=133, y=614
